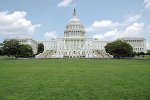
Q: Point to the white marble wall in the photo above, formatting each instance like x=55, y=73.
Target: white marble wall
x=70, y=44
x=138, y=44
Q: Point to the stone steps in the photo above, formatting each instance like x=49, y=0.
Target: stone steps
x=101, y=54
x=47, y=54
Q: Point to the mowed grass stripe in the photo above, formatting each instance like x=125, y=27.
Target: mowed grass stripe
x=75, y=79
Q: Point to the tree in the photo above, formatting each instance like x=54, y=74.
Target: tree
x=11, y=47
x=2, y=51
x=148, y=52
x=25, y=51
x=40, y=48
x=138, y=54
x=142, y=53
x=119, y=49
x=14, y=49
x=133, y=54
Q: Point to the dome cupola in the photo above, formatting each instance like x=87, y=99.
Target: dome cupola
x=74, y=28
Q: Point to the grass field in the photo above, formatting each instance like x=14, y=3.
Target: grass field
x=75, y=79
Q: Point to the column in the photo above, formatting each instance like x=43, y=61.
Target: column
x=76, y=44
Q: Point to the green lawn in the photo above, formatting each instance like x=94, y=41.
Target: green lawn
x=75, y=79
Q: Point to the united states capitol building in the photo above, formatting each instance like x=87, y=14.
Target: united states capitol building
x=74, y=44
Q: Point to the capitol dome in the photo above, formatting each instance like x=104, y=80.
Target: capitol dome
x=74, y=28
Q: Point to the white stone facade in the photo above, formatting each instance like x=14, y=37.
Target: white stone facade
x=74, y=43
x=138, y=44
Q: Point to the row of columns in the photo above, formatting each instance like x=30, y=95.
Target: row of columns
x=74, y=44
x=74, y=33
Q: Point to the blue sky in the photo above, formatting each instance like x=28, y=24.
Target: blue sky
x=103, y=19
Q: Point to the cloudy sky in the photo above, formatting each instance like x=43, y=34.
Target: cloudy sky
x=103, y=19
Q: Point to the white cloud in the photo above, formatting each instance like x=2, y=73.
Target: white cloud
x=130, y=18
x=103, y=23
x=147, y=4
x=109, y=30
x=148, y=26
x=97, y=25
x=50, y=35
x=134, y=29
x=64, y=3
x=147, y=35
x=15, y=24
x=110, y=35
x=148, y=45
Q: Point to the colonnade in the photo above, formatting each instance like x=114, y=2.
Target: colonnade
x=74, y=44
